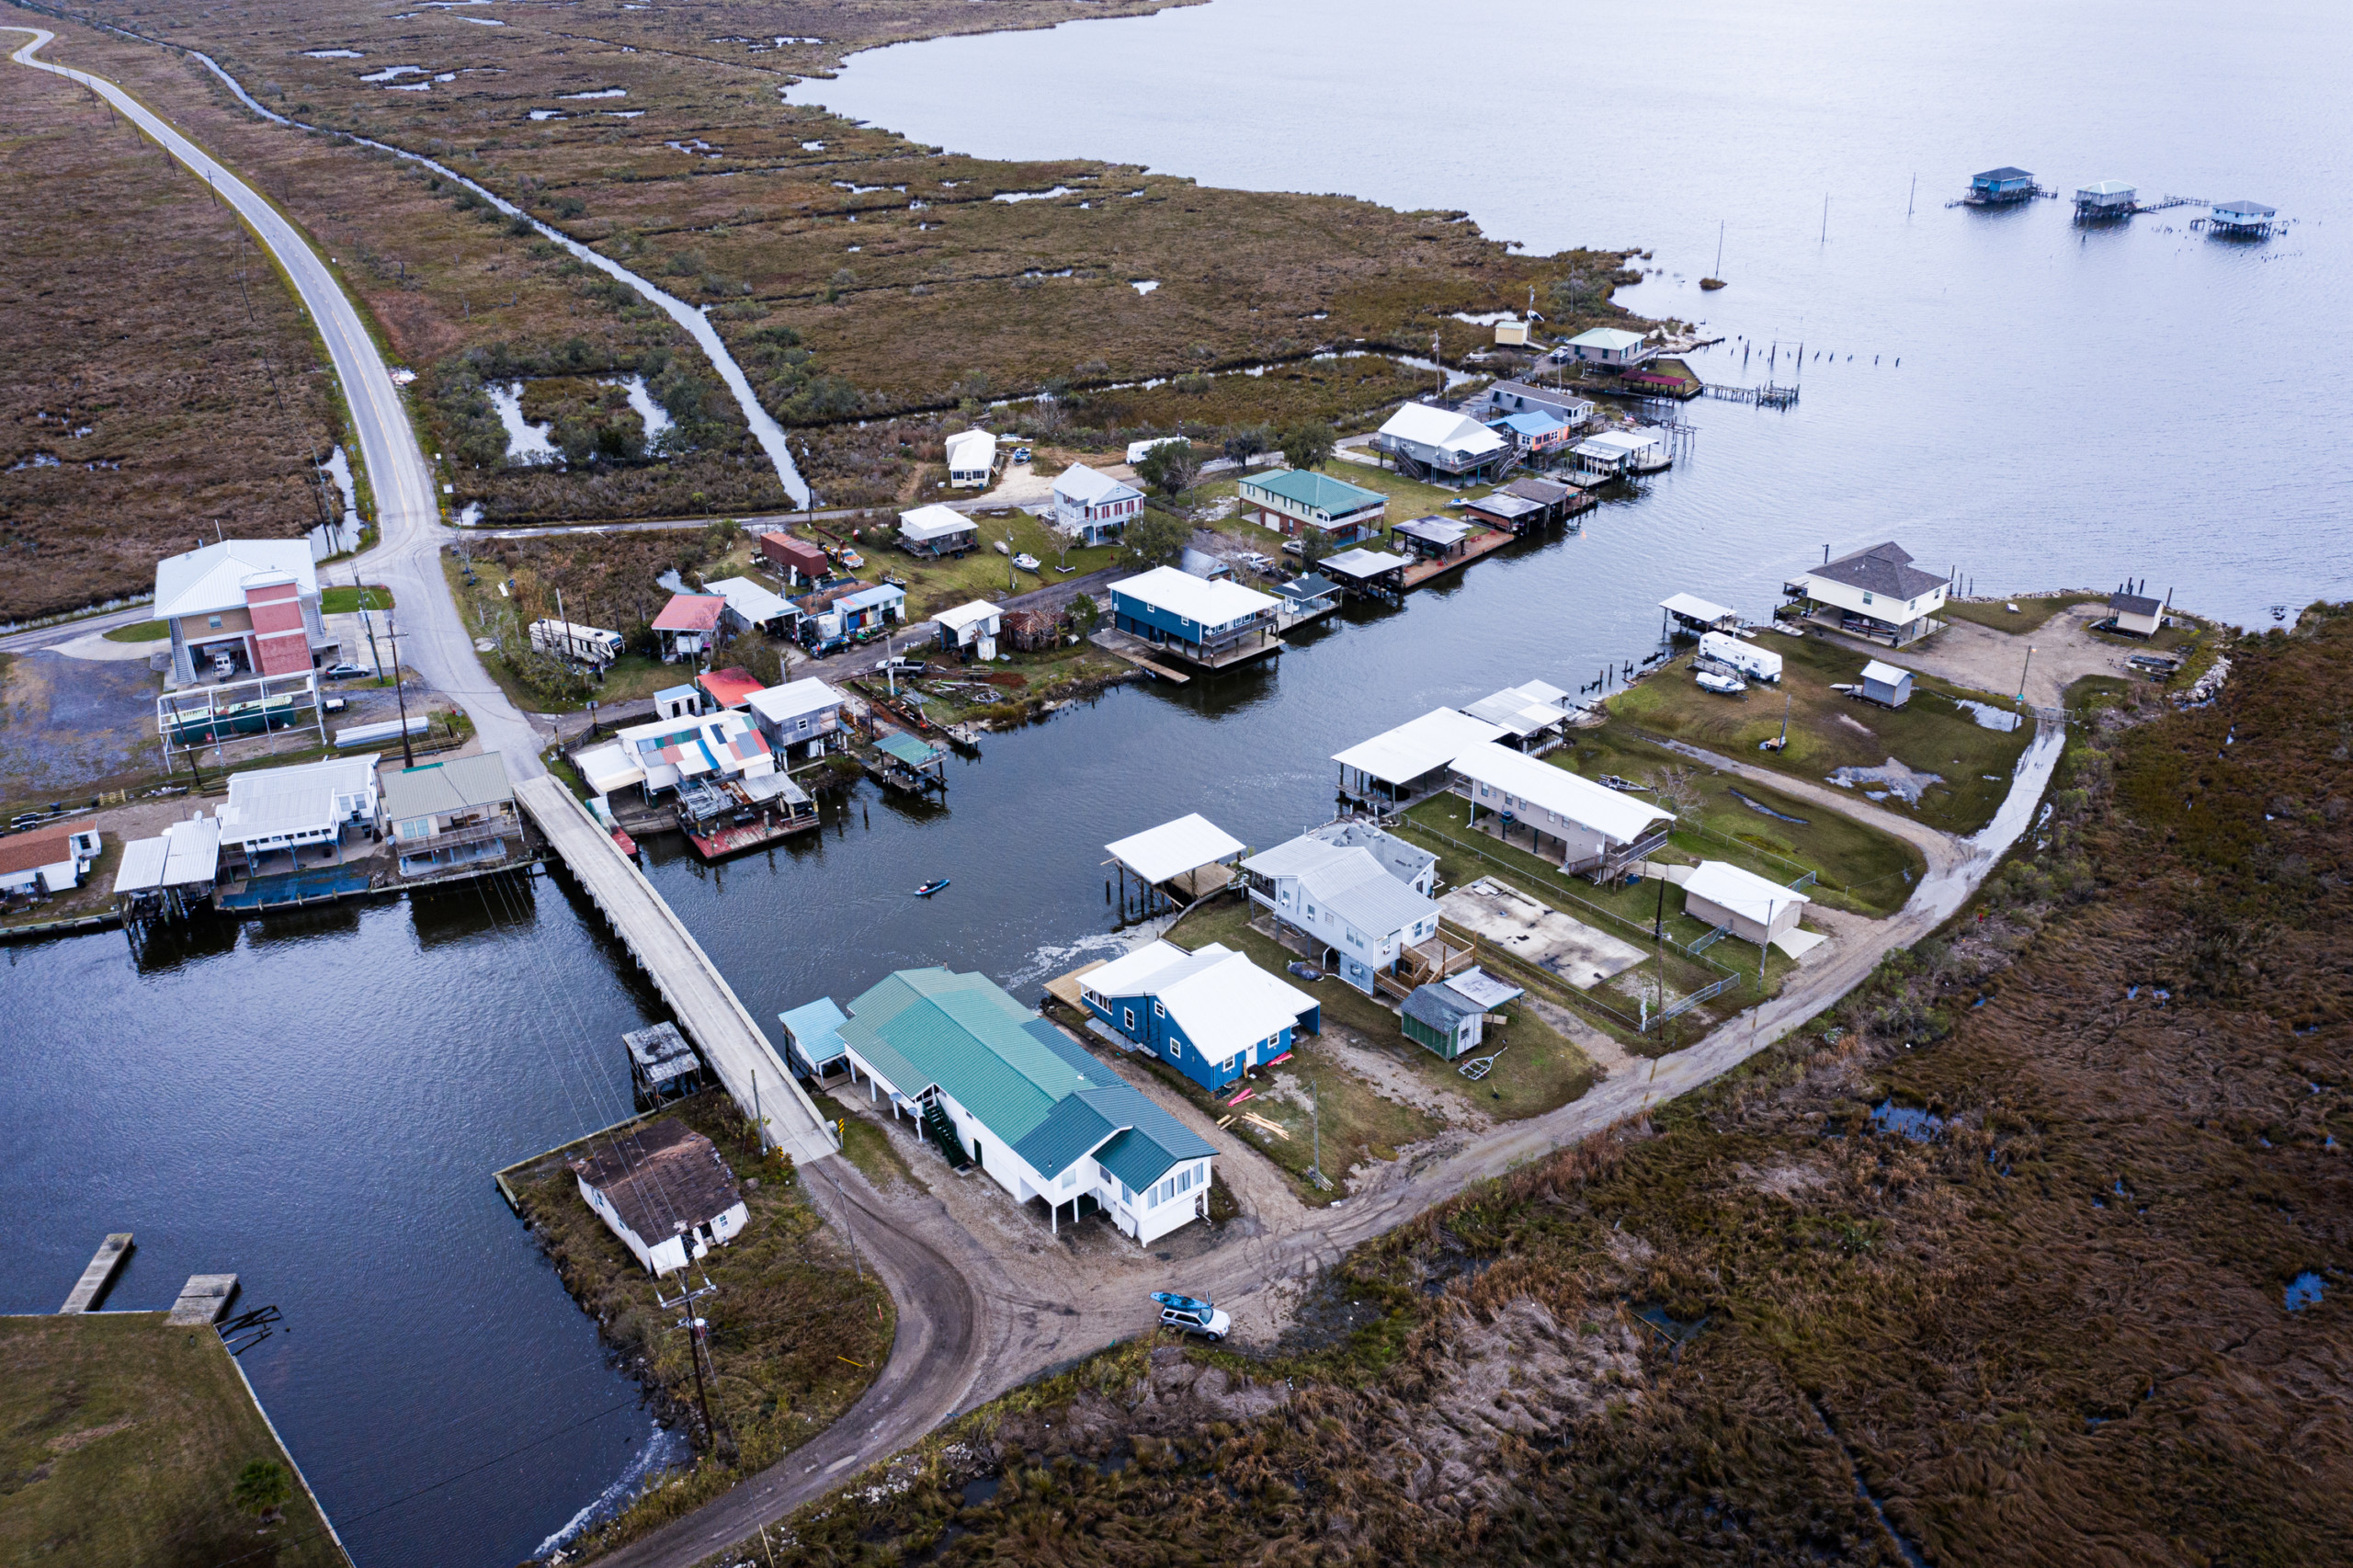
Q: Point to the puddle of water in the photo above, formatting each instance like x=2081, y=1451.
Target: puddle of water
x=333, y=54
x=1756, y=805
x=449, y=76
x=693, y=147
x=481, y=21
x=408, y=86
x=655, y=418
x=549, y=114
x=599, y=93
x=621, y=113
x=1919, y=1126
x=38, y=459
x=1485, y=318
x=1140, y=285
x=338, y=468
x=1033, y=195
x=1676, y=1331
x=867, y=189
x=1989, y=717
x=2303, y=1290
x=526, y=443
x=1894, y=776
x=980, y=1489
x=394, y=73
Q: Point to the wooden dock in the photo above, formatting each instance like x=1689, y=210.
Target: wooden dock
x=706, y=1008
x=1132, y=650
x=112, y=1254
x=1421, y=573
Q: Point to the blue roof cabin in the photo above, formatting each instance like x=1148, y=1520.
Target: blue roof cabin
x=1449, y=1017
x=2005, y=184
x=1291, y=499
x=994, y=1085
x=1213, y=1015
x=812, y=1039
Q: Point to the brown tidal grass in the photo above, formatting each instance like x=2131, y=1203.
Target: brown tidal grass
x=2052, y=1333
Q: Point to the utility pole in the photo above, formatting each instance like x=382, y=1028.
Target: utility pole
x=2022, y=669
x=694, y=1324
x=1914, y=197
x=399, y=692
x=1315, y=1110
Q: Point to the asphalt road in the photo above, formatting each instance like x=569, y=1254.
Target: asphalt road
x=434, y=640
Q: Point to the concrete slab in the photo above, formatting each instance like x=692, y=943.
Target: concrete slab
x=1536, y=933
x=103, y=1267
x=202, y=1301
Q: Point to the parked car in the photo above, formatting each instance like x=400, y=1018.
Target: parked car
x=1021, y=454
x=344, y=672
x=1190, y=1316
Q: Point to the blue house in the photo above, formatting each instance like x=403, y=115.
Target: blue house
x=813, y=1039
x=1212, y=1013
x=1211, y=623
x=2005, y=184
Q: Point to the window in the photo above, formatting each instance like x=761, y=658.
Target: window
x=1158, y=1011
x=1176, y=1048
x=1867, y=595
x=1168, y=1190
x=1070, y=1178
x=1128, y=1019
x=1127, y=1195
x=1185, y=1181
x=213, y=621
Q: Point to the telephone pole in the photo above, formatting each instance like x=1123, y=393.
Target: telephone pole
x=694, y=1324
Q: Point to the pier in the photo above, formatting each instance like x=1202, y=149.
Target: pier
x=705, y=1007
x=103, y=1267
x=1766, y=396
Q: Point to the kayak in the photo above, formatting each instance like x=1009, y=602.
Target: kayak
x=931, y=887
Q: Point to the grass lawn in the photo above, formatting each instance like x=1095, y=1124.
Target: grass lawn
x=796, y=1333
x=348, y=598
x=867, y=1146
x=981, y=572
x=140, y=631
x=1005, y=691
x=2031, y=613
x=1542, y=1071
x=1828, y=731
x=120, y=1440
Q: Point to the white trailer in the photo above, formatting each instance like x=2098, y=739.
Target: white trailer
x=581, y=645
x=1746, y=658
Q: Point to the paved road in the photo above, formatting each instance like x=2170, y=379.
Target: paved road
x=434, y=640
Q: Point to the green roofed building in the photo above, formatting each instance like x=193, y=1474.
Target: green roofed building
x=996, y=1085
x=1291, y=499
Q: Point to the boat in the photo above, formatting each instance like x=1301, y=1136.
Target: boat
x=1611, y=781
x=1002, y=548
x=1722, y=685
x=1027, y=561
x=931, y=887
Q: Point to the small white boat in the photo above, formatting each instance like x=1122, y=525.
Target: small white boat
x=1722, y=685
x=1027, y=561
x=1002, y=548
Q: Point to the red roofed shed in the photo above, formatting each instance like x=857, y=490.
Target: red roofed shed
x=688, y=624
x=729, y=688
x=800, y=560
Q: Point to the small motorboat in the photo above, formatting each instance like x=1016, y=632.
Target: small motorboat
x=1722, y=685
x=1611, y=781
x=1027, y=561
x=931, y=887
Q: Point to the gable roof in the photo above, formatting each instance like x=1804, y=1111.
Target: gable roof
x=750, y=600
x=1883, y=569
x=1318, y=492
x=925, y=524
x=691, y=612
x=1534, y=422
x=1317, y=846
x=660, y=1174
x=1609, y=339
x=1175, y=848
x=1206, y=603
x=1520, y=710
x=1358, y=888
x=213, y=578
x=1543, y=397
x=1886, y=674
x=979, y=612
x=1417, y=746
x=1741, y=890
x=2133, y=604
x=1439, y=1007
x=44, y=846
x=2006, y=172
x=1082, y=483
x=1428, y=426
x=1618, y=817
x=451, y=786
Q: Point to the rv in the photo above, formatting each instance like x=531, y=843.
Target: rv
x=579, y=645
x=1741, y=658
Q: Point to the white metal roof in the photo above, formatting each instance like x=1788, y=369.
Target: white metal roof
x=1886, y=674
x=1224, y=1002
x=1476, y=985
x=1518, y=710
x=213, y=578
x=1206, y=604
x=749, y=600
x=980, y=612
x=970, y=450
x=187, y=853
x=1610, y=339
x=1628, y=442
x=272, y=803
x=1696, y=608
x=1418, y=747
x=1175, y=848
x=1131, y=974
x=794, y=698
x=1361, y=562
x=928, y=523
x=2109, y=188
x=1080, y=482
x=1743, y=891
x=1618, y=817
x=1425, y=426
x=611, y=767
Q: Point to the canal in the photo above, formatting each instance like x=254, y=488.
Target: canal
x=316, y=1103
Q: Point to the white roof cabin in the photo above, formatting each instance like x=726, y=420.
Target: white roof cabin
x=931, y=525
x=1209, y=603
x=310, y=802
x=213, y=577
x=972, y=458
x=1441, y=430
x=1754, y=908
x=1526, y=711
x=1526, y=788
x=749, y=602
x=966, y=623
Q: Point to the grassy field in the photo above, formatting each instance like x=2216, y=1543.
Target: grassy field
x=865, y=1145
x=1540, y=1071
x=200, y=399
x=353, y=597
x=120, y=1440
x=2031, y=613
x=1828, y=731
x=796, y=1333
x=981, y=573
x=140, y=631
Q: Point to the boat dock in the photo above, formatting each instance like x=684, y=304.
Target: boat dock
x=699, y=997
x=1766, y=396
x=1134, y=649
x=112, y=1254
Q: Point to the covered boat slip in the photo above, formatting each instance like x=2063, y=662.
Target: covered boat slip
x=1402, y=765
x=1181, y=861
x=905, y=762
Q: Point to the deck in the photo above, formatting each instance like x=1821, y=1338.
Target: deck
x=1133, y=649
x=1474, y=549
x=699, y=997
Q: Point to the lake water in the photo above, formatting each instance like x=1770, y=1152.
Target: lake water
x=317, y=1102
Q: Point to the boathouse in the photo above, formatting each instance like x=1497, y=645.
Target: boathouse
x=2106, y=198
x=1353, y=898
x=800, y=563
x=1291, y=499
x=1433, y=539
x=994, y=1085
x=1995, y=187
x=1532, y=716
x=1558, y=502
x=167, y=874
x=662, y=1065
x=1506, y=511
x=441, y=815
x=1749, y=906
x=805, y=714
x=1209, y=623
x=812, y=1039
x=1187, y=859
x=1402, y=765
x=1307, y=596
x=1608, y=348
x=1887, y=684
x=908, y=764
x=1092, y=507
x=1212, y=1014
x=1688, y=615
x=1875, y=592
x=662, y=1188
x=971, y=459
x=688, y=626
x=1373, y=573
x=1581, y=826
x=2134, y=615
x=1441, y=446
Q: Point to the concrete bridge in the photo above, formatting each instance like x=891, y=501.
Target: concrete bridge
x=735, y=1046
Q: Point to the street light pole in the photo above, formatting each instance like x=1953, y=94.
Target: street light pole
x=400, y=692
x=2027, y=666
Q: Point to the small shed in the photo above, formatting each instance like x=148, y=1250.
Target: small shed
x=969, y=629
x=971, y=459
x=2136, y=616
x=662, y=1065
x=935, y=530
x=796, y=560
x=1441, y=1021
x=677, y=702
x=750, y=605
x=1751, y=907
x=662, y=1188
x=1511, y=333
x=1886, y=685
x=813, y=1038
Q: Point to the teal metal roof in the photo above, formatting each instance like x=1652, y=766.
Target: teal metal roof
x=906, y=748
x=1331, y=496
x=1069, y=1133
x=814, y=1029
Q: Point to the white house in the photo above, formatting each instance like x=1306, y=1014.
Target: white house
x=48, y=860
x=972, y=626
x=994, y=1085
x=1875, y=592
x=242, y=607
x=662, y=1188
x=288, y=809
x=806, y=713
x=1362, y=893
x=1608, y=347
x=937, y=530
x=1398, y=765
x=971, y=459
x=1754, y=909
x=2136, y=613
x=1594, y=829
x=1427, y=441
x=1091, y=506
